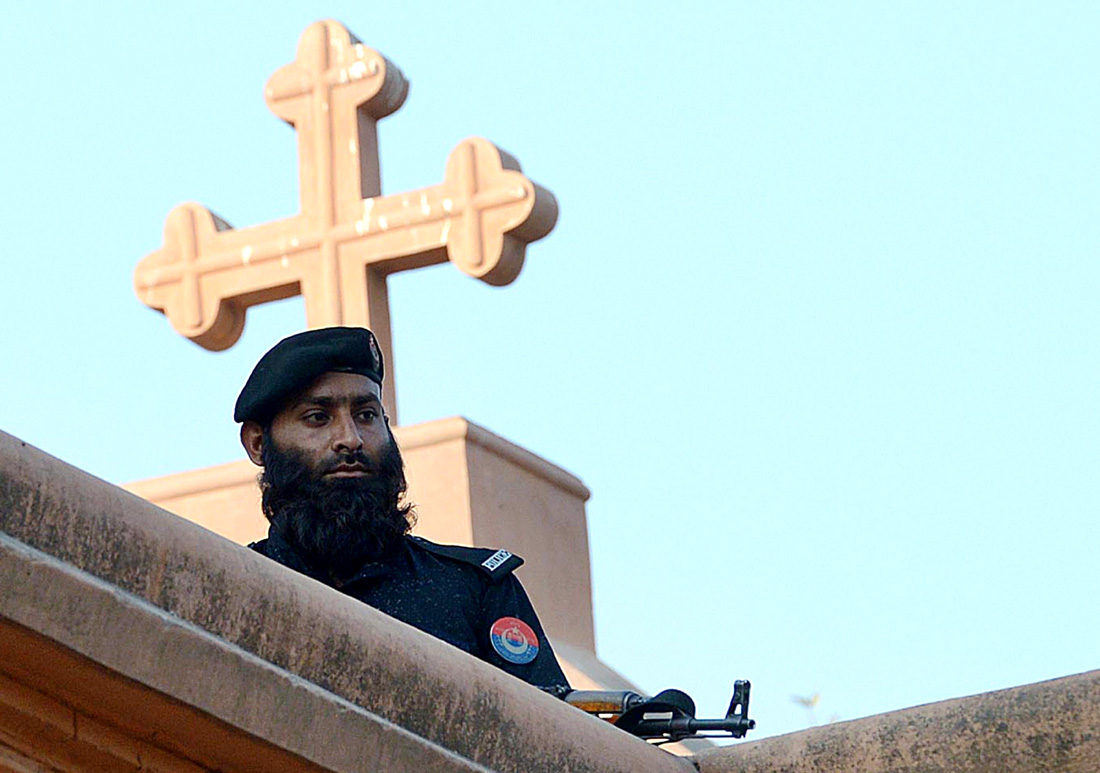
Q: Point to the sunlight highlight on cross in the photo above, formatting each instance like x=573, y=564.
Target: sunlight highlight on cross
x=347, y=238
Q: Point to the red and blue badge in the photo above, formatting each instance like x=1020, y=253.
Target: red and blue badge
x=514, y=640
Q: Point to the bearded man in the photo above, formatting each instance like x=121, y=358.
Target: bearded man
x=333, y=486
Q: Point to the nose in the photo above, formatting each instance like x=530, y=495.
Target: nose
x=345, y=434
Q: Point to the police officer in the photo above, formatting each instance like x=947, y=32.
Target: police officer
x=333, y=486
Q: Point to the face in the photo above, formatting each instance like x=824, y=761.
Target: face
x=334, y=419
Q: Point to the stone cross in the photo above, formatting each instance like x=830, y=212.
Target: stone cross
x=338, y=251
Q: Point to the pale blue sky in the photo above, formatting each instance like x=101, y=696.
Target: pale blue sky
x=817, y=324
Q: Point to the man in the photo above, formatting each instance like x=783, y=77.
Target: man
x=333, y=486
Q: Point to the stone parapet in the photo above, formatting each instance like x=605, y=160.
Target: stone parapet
x=1048, y=726
x=159, y=605
x=96, y=679
x=132, y=639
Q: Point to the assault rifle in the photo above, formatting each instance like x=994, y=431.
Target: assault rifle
x=667, y=716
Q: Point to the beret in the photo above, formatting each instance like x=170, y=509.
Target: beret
x=293, y=364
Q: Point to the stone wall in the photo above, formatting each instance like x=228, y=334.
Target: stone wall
x=168, y=614
x=1049, y=726
x=132, y=639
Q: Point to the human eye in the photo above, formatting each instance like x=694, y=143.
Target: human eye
x=368, y=415
x=315, y=418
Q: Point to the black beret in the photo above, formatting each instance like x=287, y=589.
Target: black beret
x=294, y=363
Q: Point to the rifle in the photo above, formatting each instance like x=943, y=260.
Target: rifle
x=668, y=716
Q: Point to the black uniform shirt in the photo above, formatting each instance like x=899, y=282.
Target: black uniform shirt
x=460, y=595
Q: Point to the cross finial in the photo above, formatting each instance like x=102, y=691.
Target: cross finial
x=338, y=251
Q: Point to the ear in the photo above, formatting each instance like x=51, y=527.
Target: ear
x=252, y=438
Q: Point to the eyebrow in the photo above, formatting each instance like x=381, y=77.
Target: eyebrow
x=324, y=401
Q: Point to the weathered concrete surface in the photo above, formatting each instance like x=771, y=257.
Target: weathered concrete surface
x=355, y=653
x=1049, y=726
x=163, y=694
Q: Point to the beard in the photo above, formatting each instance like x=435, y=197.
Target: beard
x=336, y=525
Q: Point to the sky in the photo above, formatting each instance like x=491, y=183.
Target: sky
x=817, y=324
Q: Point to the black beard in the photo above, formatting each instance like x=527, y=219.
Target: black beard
x=339, y=524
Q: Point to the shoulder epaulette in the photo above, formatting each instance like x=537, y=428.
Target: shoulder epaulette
x=496, y=564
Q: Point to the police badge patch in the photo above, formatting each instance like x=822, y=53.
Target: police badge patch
x=514, y=640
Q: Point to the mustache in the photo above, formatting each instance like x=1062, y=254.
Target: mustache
x=349, y=459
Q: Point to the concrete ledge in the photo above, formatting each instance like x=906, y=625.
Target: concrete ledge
x=348, y=649
x=458, y=428
x=220, y=476
x=1048, y=726
x=156, y=688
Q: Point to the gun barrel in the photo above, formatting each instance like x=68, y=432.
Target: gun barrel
x=735, y=727
x=677, y=728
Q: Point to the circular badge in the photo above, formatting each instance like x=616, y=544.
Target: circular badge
x=514, y=640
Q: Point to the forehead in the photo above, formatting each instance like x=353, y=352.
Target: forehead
x=339, y=387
